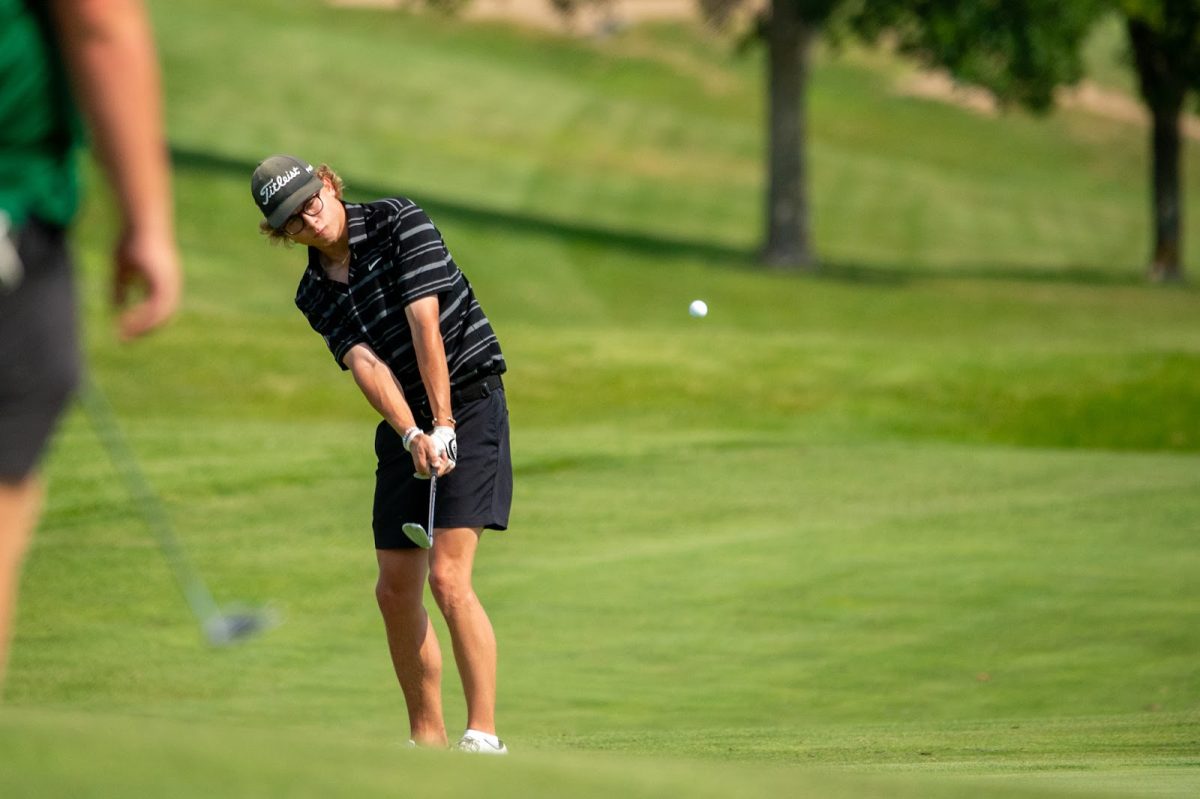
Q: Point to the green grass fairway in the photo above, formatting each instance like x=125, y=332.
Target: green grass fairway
x=923, y=524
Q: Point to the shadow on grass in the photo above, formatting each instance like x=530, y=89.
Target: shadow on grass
x=725, y=256
x=899, y=274
x=508, y=221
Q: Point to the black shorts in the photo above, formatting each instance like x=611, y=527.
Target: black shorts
x=478, y=493
x=39, y=349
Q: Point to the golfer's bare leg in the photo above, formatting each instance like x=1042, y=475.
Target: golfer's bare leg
x=416, y=655
x=20, y=503
x=470, y=629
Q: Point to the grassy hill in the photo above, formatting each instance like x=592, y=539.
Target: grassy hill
x=922, y=524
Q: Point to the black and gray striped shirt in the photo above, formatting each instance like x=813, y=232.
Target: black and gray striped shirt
x=397, y=256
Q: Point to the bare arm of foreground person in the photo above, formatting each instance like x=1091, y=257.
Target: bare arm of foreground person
x=109, y=49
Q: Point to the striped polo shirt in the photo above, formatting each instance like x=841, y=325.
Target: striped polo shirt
x=397, y=256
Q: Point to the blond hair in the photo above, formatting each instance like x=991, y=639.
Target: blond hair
x=331, y=179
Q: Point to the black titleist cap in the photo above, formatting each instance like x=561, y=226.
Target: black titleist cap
x=281, y=184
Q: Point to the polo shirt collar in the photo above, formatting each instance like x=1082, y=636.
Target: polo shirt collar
x=355, y=220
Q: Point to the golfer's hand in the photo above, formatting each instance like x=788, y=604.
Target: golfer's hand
x=447, y=448
x=149, y=263
x=425, y=454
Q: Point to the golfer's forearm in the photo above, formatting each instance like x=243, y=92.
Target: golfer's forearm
x=431, y=360
x=380, y=387
x=109, y=48
x=430, y=351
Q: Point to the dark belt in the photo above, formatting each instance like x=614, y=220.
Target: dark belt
x=459, y=395
x=483, y=387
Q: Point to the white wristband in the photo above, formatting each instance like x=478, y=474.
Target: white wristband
x=409, y=435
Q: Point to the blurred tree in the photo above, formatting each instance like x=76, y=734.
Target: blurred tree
x=789, y=28
x=1164, y=40
x=1021, y=50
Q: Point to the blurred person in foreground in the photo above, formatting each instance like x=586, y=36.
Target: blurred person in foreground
x=103, y=50
x=394, y=309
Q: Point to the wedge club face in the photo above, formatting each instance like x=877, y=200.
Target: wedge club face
x=416, y=533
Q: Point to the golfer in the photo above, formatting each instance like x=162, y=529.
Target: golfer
x=383, y=291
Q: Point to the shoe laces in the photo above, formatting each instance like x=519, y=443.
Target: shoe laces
x=467, y=745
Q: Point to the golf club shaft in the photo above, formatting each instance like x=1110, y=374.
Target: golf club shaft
x=104, y=422
x=432, y=500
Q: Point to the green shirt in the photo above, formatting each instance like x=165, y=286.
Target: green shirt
x=39, y=125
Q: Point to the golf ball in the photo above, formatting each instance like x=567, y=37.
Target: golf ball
x=698, y=308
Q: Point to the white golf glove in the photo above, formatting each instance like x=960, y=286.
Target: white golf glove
x=447, y=444
x=410, y=434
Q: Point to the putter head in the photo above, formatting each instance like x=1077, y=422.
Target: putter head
x=416, y=533
x=236, y=625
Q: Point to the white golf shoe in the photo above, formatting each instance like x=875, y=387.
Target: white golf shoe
x=481, y=744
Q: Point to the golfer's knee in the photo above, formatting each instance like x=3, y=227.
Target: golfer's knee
x=451, y=589
x=394, y=596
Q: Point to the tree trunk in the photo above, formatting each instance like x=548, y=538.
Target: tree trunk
x=1163, y=89
x=1166, y=265
x=789, y=40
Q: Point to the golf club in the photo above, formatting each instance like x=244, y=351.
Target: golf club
x=219, y=627
x=414, y=531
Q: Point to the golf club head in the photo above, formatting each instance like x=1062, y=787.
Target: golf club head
x=416, y=533
x=230, y=627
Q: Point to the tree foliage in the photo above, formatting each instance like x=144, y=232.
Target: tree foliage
x=1165, y=43
x=1020, y=50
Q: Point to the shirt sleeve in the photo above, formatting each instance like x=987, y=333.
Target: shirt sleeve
x=330, y=323
x=422, y=265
